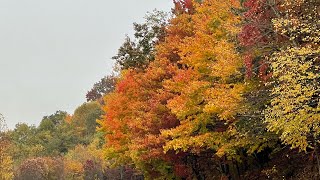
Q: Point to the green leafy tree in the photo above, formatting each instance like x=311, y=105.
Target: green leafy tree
x=25, y=142
x=55, y=134
x=84, y=120
x=137, y=53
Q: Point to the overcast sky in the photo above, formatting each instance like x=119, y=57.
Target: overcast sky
x=53, y=51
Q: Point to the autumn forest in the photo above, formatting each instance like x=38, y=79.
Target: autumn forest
x=214, y=89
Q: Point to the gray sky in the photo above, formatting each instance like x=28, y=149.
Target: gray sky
x=53, y=51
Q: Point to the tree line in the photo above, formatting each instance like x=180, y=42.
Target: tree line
x=217, y=89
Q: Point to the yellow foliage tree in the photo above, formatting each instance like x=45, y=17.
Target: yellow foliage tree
x=6, y=165
x=294, y=112
x=208, y=90
x=6, y=162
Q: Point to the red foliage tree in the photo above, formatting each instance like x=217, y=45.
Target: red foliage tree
x=257, y=35
x=183, y=6
x=136, y=113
